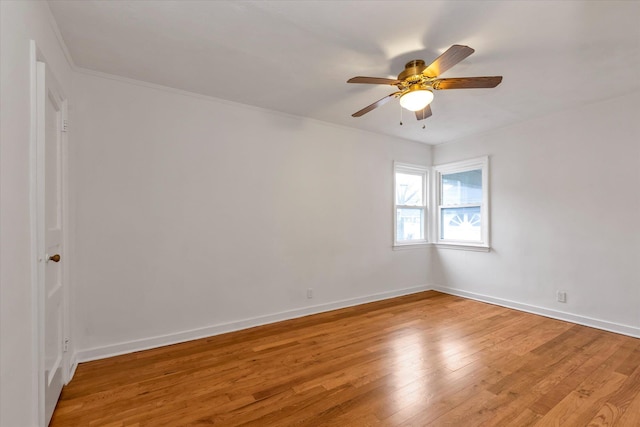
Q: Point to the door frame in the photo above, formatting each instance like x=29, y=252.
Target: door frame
x=36, y=199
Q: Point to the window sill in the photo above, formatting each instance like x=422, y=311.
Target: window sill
x=463, y=247
x=405, y=246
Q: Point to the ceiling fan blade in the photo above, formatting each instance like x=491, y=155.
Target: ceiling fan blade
x=424, y=113
x=376, y=104
x=467, y=82
x=448, y=59
x=373, y=80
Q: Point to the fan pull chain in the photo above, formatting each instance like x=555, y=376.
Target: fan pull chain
x=400, y=115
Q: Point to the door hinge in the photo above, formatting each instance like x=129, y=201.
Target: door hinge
x=65, y=345
x=65, y=125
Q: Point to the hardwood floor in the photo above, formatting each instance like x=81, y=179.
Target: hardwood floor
x=427, y=359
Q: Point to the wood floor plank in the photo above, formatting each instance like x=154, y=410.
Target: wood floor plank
x=426, y=359
x=632, y=416
x=524, y=391
x=584, y=402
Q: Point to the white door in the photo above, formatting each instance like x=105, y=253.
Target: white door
x=50, y=126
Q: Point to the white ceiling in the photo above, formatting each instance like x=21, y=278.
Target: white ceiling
x=296, y=56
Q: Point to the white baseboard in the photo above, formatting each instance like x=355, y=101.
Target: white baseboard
x=73, y=367
x=193, y=334
x=542, y=311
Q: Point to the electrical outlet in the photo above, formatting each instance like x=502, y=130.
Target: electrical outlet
x=562, y=296
x=310, y=293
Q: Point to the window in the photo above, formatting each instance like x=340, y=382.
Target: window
x=462, y=194
x=410, y=188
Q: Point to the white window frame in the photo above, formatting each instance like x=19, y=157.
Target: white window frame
x=412, y=169
x=455, y=167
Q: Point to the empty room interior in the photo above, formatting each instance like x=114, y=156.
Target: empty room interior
x=320, y=213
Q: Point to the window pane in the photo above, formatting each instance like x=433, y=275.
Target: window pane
x=462, y=188
x=409, y=189
x=410, y=224
x=460, y=224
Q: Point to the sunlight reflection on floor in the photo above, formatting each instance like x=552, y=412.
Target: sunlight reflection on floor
x=409, y=367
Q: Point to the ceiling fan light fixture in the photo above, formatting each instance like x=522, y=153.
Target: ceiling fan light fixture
x=416, y=99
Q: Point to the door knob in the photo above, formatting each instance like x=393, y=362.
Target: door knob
x=55, y=258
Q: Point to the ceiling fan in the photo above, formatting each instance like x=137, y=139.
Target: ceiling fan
x=418, y=81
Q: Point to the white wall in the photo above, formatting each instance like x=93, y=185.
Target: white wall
x=565, y=200
x=20, y=22
x=193, y=213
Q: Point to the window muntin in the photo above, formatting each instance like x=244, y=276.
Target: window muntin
x=462, y=203
x=410, y=195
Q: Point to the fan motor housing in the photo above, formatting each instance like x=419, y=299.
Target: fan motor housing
x=412, y=68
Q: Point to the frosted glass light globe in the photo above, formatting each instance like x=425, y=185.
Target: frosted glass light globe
x=416, y=99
